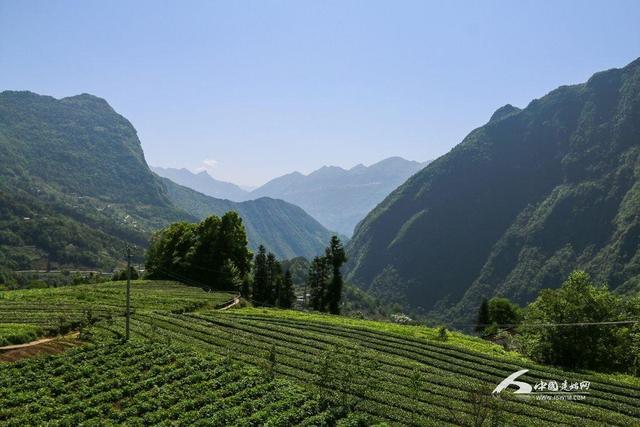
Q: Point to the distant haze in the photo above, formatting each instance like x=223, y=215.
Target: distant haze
x=336, y=197
x=252, y=90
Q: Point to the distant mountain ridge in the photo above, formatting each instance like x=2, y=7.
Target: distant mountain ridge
x=203, y=183
x=339, y=198
x=517, y=205
x=75, y=189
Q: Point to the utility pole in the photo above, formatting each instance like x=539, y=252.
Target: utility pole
x=304, y=296
x=128, y=312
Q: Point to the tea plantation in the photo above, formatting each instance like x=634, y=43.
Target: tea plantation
x=189, y=363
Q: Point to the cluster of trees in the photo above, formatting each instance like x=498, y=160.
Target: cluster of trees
x=572, y=326
x=270, y=287
x=579, y=325
x=497, y=313
x=325, y=279
x=122, y=274
x=212, y=254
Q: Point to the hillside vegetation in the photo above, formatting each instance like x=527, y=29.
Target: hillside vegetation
x=519, y=204
x=340, y=368
x=75, y=189
x=74, y=186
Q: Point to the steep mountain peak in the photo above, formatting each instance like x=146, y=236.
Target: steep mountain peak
x=504, y=111
x=522, y=200
x=107, y=159
x=85, y=97
x=635, y=64
x=327, y=170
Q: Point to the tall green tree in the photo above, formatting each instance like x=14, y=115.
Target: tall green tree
x=317, y=283
x=287, y=295
x=483, y=319
x=573, y=334
x=212, y=254
x=260, y=277
x=274, y=279
x=336, y=257
x=166, y=257
x=503, y=312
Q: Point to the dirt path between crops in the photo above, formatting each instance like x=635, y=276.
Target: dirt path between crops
x=233, y=303
x=13, y=353
x=37, y=342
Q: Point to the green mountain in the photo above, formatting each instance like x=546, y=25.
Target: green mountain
x=339, y=198
x=75, y=189
x=522, y=201
x=74, y=185
x=283, y=228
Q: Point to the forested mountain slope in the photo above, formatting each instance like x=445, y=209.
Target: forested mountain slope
x=522, y=201
x=75, y=189
x=283, y=228
x=74, y=185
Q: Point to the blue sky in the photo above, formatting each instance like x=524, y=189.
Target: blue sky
x=253, y=90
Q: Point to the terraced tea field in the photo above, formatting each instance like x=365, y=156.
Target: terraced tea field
x=26, y=314
x=148, y=384
x=399, y=375
x=449, y=374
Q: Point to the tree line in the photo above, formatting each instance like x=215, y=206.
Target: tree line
x=214, y=254
x=270, y=286
x=325, y=279
x=579, y=325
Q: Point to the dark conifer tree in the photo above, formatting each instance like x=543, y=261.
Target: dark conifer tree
x=483, y=316
x=336, y=257
x=260, y=277
x=287, y=294
x=274, y=279
x=317, y=281
x=245, y=289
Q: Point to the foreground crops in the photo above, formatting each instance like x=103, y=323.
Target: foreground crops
x=396, y=374
x=144, y=384
x=29, y=313
x=448, y=374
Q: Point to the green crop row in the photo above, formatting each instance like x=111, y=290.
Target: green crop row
x=428, y=351
x=143, y=384
x=297, y=355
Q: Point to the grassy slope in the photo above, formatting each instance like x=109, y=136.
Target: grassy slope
x=451, y=371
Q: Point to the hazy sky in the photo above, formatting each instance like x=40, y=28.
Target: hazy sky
x=253, y=90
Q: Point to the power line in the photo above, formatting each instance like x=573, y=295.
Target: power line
x=513, y=325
